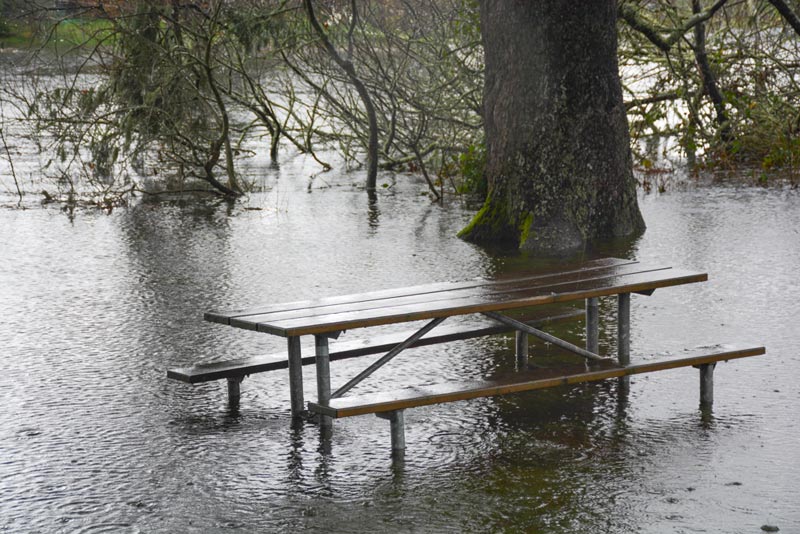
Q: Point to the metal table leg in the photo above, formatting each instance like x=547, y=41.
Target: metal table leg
x=593, y=325
x=322, y=358
x=296, y=377
x=624, y=329
x=522, y=350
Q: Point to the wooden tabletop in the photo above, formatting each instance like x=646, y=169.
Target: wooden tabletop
x=596, y=278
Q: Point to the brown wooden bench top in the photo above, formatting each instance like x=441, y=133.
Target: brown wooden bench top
x=539, y=378
x=595, y=278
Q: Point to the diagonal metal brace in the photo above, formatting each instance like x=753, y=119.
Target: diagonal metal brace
x=522, y=327
x=416, y=336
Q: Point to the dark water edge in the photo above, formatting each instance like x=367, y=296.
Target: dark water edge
x=94, y=438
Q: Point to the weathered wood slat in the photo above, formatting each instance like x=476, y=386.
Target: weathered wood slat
x=522, y=381
x=206, y=372
x=506, y=288
x=224, y=317
x=490, y=302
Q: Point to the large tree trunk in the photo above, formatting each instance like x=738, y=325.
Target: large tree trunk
x=559, y=161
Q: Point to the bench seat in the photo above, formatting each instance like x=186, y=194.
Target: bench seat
x=239, y=368
x=539, y=378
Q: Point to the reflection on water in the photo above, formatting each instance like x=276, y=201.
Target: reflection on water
x=93, y=438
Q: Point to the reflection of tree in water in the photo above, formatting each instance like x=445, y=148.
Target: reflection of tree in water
x=180, y=256
x=533, y=454
x=373, y=209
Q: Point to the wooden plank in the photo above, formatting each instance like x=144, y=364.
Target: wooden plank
x=489, y=302
x=522, y=381
x=224, y=317
x=506, y=287
x=406, y=291
x=208, y=371
x=504, y=290
x=340, y=350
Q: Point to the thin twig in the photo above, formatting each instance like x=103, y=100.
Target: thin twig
x=11, y=163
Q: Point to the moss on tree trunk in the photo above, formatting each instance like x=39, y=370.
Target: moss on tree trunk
x=558, y=148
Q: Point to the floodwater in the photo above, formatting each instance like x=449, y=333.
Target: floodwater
x=96, y=307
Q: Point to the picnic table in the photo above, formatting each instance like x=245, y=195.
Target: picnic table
x=497, y=301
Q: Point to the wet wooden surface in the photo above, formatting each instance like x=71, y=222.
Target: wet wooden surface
x=595, y=278
x=533, y=379
x=208, y=371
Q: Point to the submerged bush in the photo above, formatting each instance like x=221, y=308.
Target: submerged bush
x=724, y=82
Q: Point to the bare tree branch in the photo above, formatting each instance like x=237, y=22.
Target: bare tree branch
x=649, y=29
x=347, y=67
x=787, y=13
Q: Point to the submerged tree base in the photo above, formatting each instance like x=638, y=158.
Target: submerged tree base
x=493, y=226
x=542, y=230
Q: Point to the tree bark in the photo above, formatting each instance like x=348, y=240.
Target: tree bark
x=558, y=148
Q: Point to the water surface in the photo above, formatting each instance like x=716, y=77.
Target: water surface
x=95, y=308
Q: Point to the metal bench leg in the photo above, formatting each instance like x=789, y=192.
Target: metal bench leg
x=296, y=377
x=323, y=362
x=593, y=325
x=397, y=422
x=624, y=343
x=522, y=349
x=707, y=385
x=624, y=329
x=234, y=391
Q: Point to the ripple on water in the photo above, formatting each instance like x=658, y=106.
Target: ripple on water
x=109, y=528
x=93, y=438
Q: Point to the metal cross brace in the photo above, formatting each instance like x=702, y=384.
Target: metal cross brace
x=522, y=327
x=388, y=356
